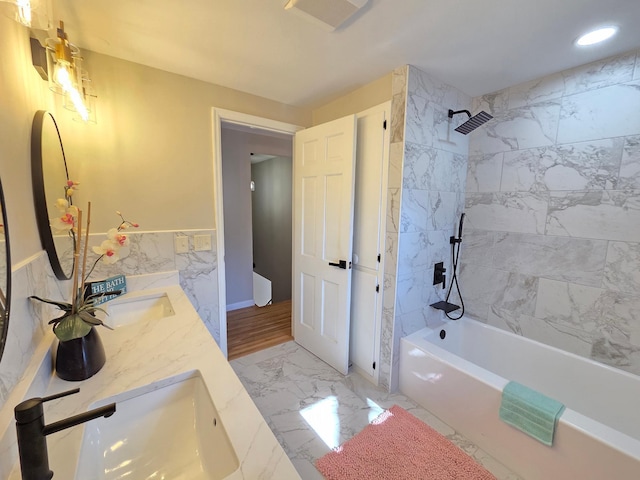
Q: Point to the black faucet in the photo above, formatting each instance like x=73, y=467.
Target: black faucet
x=32, y=433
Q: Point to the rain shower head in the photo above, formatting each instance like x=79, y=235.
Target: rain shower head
x=473, y=122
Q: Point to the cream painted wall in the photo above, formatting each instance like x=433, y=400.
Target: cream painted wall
x=368, y=96
x=150, y=153
x=22, y=92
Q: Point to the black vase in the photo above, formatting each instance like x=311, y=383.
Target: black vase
x=80, y=358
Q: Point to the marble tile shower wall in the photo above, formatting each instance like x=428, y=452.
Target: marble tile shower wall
x=552, y=247
x=396, y=156
x=427, y=182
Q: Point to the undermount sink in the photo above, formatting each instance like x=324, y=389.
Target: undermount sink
x=170, y=432
x=131, y=309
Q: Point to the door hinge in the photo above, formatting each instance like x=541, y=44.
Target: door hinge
x=377, y=288
x=378, y=258
x=374, y=365
x=384, y=124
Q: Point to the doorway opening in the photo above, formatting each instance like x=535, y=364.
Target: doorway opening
x=235, y=137
x=257, y=193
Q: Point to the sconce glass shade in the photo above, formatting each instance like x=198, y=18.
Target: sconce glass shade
x=66, y=76
x=85, y=106
x=30, y=13
x=61, y=64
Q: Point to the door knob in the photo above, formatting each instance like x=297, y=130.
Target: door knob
x=341, y=264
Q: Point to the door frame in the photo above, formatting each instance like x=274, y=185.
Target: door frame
x=218, y=116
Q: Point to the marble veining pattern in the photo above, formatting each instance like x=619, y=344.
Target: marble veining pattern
x=426, y=168
x=609, y=215
x=484, y=173
x=607, y=320
x=602, y=73
x=565, y=212
x=539, y=90
x=557, y=335
x=521, y=212
x=583, y=166
x=396, y=152
x=518, y=128
x=393, y=210
x=28, y=320
x=429, y=88
x=152, y=252
x=399, y=80
x=577, y=260
x=413, y=252
x=311, y=408
x=419, y=121
x=414, y=215
x=622, y=269
x=603, y=113
x=394, y=197
x=493, y=103
x=630, y=164
x=484, y=288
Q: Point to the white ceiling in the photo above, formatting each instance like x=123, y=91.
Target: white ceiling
x=256, y=46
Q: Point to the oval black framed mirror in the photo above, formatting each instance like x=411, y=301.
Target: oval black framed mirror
x=49, y=177
x=5, y=274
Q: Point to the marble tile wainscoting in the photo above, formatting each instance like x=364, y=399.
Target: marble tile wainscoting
x=28, y=320
x=150, y=252
x=552, y=242
x=154, y=252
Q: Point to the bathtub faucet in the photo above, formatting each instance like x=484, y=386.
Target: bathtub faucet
x=32, y=433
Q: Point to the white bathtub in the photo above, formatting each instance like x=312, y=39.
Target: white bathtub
x=460, y=379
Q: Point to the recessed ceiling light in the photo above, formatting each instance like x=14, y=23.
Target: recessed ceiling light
x=596, y=36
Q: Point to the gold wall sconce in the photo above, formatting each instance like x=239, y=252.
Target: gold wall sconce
x=60, y=63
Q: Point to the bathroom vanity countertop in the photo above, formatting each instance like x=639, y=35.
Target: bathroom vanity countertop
x=147, y=352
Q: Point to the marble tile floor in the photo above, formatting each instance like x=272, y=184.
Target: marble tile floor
x=311, y=408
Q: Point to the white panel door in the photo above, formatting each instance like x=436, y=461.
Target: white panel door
x=369, y=236
x=365, y=306
x=324, y=167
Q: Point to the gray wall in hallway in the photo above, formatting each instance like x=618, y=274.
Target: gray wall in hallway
x=272, y=222
x=237, y=147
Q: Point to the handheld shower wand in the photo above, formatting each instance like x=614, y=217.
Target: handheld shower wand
x=455, y=257
x=444, y=305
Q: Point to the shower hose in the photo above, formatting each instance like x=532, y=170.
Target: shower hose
x=455, y=256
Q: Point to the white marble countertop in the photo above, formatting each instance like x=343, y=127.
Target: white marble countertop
x=150, y=351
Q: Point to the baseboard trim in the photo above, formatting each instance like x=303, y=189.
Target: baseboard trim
x=239, y=305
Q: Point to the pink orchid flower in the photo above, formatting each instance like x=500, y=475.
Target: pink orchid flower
x=109, y=250
x=118, y=237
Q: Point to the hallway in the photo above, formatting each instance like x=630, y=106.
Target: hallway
x=254, y=328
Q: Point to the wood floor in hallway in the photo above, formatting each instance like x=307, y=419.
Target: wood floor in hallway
x=255, y=328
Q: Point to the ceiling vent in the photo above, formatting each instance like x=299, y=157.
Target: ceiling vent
x=328, y=13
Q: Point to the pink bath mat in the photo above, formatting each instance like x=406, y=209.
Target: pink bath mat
x=396, y=446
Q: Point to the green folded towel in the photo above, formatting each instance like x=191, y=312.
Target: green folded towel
x=531, y=412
